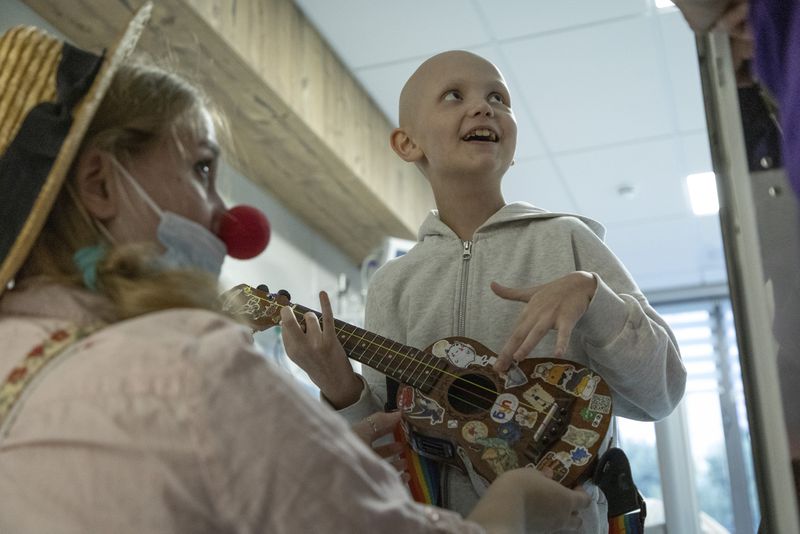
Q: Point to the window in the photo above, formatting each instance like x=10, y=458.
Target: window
x=718, y=445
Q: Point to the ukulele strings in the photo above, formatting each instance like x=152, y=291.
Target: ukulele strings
x=492, y=394
x=455, y=385
x=376, y=347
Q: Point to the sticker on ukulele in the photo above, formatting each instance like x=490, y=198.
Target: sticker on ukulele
x=538, y=398
x=472, y=431
x=459, y=354
x=591, y=417
x=504, y=407
x=418, y=406
x=580, y=437
x=498, y=455
x=510, y=432
x=554, y=466
x=515, y=376
x=580, y=456
x=565, y=377
x=600, y=403
x=463, y=355
x=526, y=418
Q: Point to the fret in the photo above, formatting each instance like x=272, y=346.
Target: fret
x=409, y=363
x=377, y=356
x=422, y=368
x=437, y=367
x=347, y=334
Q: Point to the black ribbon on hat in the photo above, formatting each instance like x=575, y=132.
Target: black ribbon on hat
x=26, y=163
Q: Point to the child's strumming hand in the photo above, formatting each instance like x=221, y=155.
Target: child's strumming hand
x=557, y=305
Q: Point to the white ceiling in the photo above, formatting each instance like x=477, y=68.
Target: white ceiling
x=606, y=94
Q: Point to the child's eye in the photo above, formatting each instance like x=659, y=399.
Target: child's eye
x=452, y=95
x=497, y=98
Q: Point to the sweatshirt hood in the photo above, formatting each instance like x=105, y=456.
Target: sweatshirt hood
x=514, y=211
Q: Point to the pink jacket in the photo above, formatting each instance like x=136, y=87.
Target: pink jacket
x=171, y=422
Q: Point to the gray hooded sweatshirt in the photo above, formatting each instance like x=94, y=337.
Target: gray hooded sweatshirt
x=441, y=288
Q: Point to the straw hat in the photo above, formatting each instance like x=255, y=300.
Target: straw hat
x=49, y=93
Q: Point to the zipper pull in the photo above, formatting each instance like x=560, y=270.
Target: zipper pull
x=467, y=250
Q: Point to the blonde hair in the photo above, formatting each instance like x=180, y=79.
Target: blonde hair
x=143, y=104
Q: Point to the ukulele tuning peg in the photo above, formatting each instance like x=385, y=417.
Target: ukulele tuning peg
x=263, y=287
x=284, y=297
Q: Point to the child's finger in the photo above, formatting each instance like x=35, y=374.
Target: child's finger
x=523, y=294
x=327, y=312
x=502, y=363
x=313, y=330
x=289, y=321
x=389, y=450
x=562, y=341
x=376, y=426
x=535, y=335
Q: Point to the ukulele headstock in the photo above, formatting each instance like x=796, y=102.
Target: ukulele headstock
x=255, y=306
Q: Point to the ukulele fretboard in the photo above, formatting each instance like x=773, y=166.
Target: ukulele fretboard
x=405, y=364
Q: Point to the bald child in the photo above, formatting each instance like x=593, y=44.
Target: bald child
x=522, y=281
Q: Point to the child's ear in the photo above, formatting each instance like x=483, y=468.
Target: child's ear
x=95, y=183
x=404, y=146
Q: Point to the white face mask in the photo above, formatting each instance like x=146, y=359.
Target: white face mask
x=188, y=244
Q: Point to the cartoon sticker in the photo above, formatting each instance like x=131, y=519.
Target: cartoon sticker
x=460, y=354
x=498, y=455
x=515, y=377
x=526, y=418
x=418, y=406
x=579, y=437
x=472, y=431
x=538, y=398
x=510, y=432
x=553, y=467
x=405, y=399
x=579, y=456
x=452, y=423
x=504, y=407
x=565, y=377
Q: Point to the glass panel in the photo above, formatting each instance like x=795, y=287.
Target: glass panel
x=716, y=420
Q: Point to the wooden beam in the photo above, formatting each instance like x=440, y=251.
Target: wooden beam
x=303, y=128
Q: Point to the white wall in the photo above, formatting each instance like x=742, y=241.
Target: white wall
x=297, y=259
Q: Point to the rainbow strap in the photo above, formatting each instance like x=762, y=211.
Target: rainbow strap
x=630, y=523
x=424, y=481
x=423, y=473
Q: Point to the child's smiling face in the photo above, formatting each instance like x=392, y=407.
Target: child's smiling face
x=457, y=109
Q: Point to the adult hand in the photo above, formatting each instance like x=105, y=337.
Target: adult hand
x=524, y=500
x=557, y=305
x=735, y=23
x=376, y=426
x=728, y=16
x=318, y=352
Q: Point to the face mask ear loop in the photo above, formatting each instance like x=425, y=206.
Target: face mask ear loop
x=99, y=226
x=137, y=186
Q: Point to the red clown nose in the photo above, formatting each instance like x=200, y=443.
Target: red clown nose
x=245, y=231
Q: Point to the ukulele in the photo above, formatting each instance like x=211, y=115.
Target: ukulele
x=550, y=414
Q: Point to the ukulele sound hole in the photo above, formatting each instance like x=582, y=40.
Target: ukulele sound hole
x=471, y=394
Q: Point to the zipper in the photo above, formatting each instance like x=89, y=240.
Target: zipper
x=466, y=255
